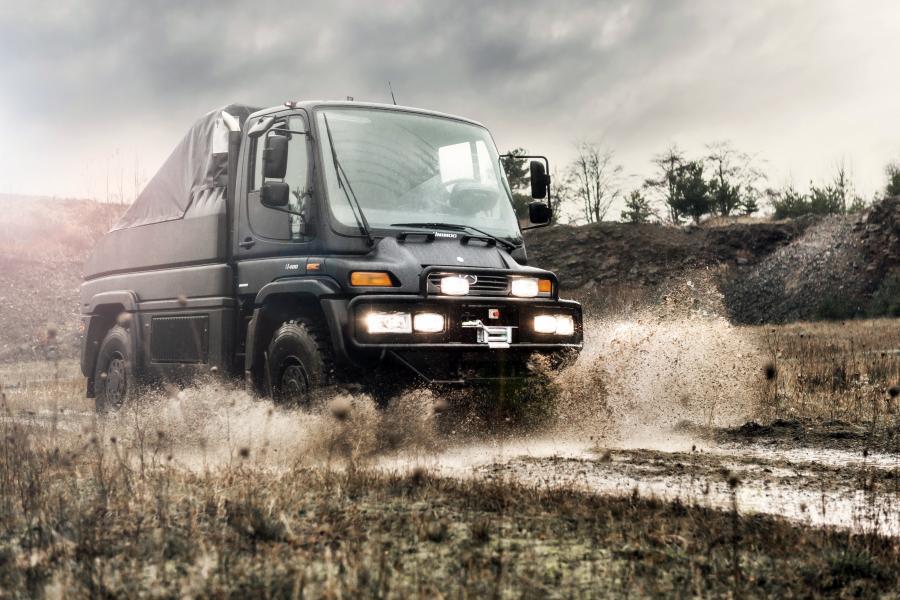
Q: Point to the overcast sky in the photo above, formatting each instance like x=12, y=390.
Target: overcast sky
x=90, y=87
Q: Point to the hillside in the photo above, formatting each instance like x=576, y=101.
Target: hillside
x=768, y=272
x=613, y=254
x=808, y=268
x=43, y=245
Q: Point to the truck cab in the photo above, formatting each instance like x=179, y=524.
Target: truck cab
x=324, y=242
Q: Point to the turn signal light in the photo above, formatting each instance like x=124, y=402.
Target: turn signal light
x=545, y=286
x=370, y=279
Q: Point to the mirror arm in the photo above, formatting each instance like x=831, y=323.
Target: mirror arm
x=291, y=131
x=538, y=226
x=286, y=211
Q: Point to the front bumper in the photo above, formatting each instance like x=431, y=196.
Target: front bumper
x=461, y=353
x=514, y=315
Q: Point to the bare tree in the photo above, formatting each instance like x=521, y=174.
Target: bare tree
x=594, y=181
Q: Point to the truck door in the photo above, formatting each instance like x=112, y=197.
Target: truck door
x=268, y=232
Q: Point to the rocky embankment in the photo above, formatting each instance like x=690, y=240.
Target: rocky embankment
x=808, y=268
x=616, y=254
x=841, y=267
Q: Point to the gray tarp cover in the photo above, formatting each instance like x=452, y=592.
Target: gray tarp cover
x=194, y=176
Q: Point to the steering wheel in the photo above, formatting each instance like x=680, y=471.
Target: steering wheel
x=470, y=197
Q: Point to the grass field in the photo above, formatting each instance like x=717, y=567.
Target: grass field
x=835, y=372
x=285, y=505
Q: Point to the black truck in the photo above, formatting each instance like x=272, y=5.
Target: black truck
x=322, y=242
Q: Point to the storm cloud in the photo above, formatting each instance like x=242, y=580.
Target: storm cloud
x=87, y=84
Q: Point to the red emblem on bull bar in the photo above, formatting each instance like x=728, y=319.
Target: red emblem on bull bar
x=493, y=313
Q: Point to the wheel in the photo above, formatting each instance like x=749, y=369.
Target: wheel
x=114, y=381
x=299, y=364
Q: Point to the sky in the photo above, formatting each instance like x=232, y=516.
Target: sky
x=95, y=94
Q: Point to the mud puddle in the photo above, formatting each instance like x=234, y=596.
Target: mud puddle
x=814, y=486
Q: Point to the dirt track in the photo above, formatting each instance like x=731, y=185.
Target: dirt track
x=805, y=483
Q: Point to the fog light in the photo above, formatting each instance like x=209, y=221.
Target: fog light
x=428, y=322
x=565, y=325
x=555, y=324
x=454, y=286
x=545, y=324
x=389, y=322
x=524, y=287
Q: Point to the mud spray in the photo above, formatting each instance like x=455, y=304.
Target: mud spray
x=640, y=376
x=644, y=374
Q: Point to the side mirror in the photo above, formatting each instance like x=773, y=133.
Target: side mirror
x=540, y=181
x=539, y=213
x=275, y=157
x=275, y=194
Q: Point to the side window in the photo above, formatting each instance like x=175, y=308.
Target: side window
x=277, y=224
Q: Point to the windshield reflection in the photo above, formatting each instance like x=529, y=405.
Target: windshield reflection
x=413, y=168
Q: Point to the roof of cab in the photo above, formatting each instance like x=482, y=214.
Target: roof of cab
x=311, y=105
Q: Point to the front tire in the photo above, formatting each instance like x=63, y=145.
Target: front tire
x=114, y=381
x=298, y=363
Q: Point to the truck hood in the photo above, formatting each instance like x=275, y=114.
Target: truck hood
x=452, y=252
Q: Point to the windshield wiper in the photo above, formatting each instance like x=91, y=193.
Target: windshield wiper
x=457, y=227
x=344, y=184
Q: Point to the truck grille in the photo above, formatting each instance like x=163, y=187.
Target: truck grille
x=486, y=284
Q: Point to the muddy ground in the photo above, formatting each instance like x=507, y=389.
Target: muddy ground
x=676, y=408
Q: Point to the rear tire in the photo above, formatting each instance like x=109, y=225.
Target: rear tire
x=299, y=364
x=114, y=381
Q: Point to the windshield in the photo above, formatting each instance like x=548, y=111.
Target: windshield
x=410, y=168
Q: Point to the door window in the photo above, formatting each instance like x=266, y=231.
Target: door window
x=277, y=224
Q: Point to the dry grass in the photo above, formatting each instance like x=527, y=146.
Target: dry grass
x=115, y=509
x=78, y=518
x=44, y=387
x=834, y=371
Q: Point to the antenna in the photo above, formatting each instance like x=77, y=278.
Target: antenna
x=394, y=100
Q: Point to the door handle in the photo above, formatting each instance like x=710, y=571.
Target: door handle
x=247, y=243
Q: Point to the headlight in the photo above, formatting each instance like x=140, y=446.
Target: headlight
x=454, y=286
x=556, y=324
x=389, y=322
x=524, y=287
x=428, y=322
